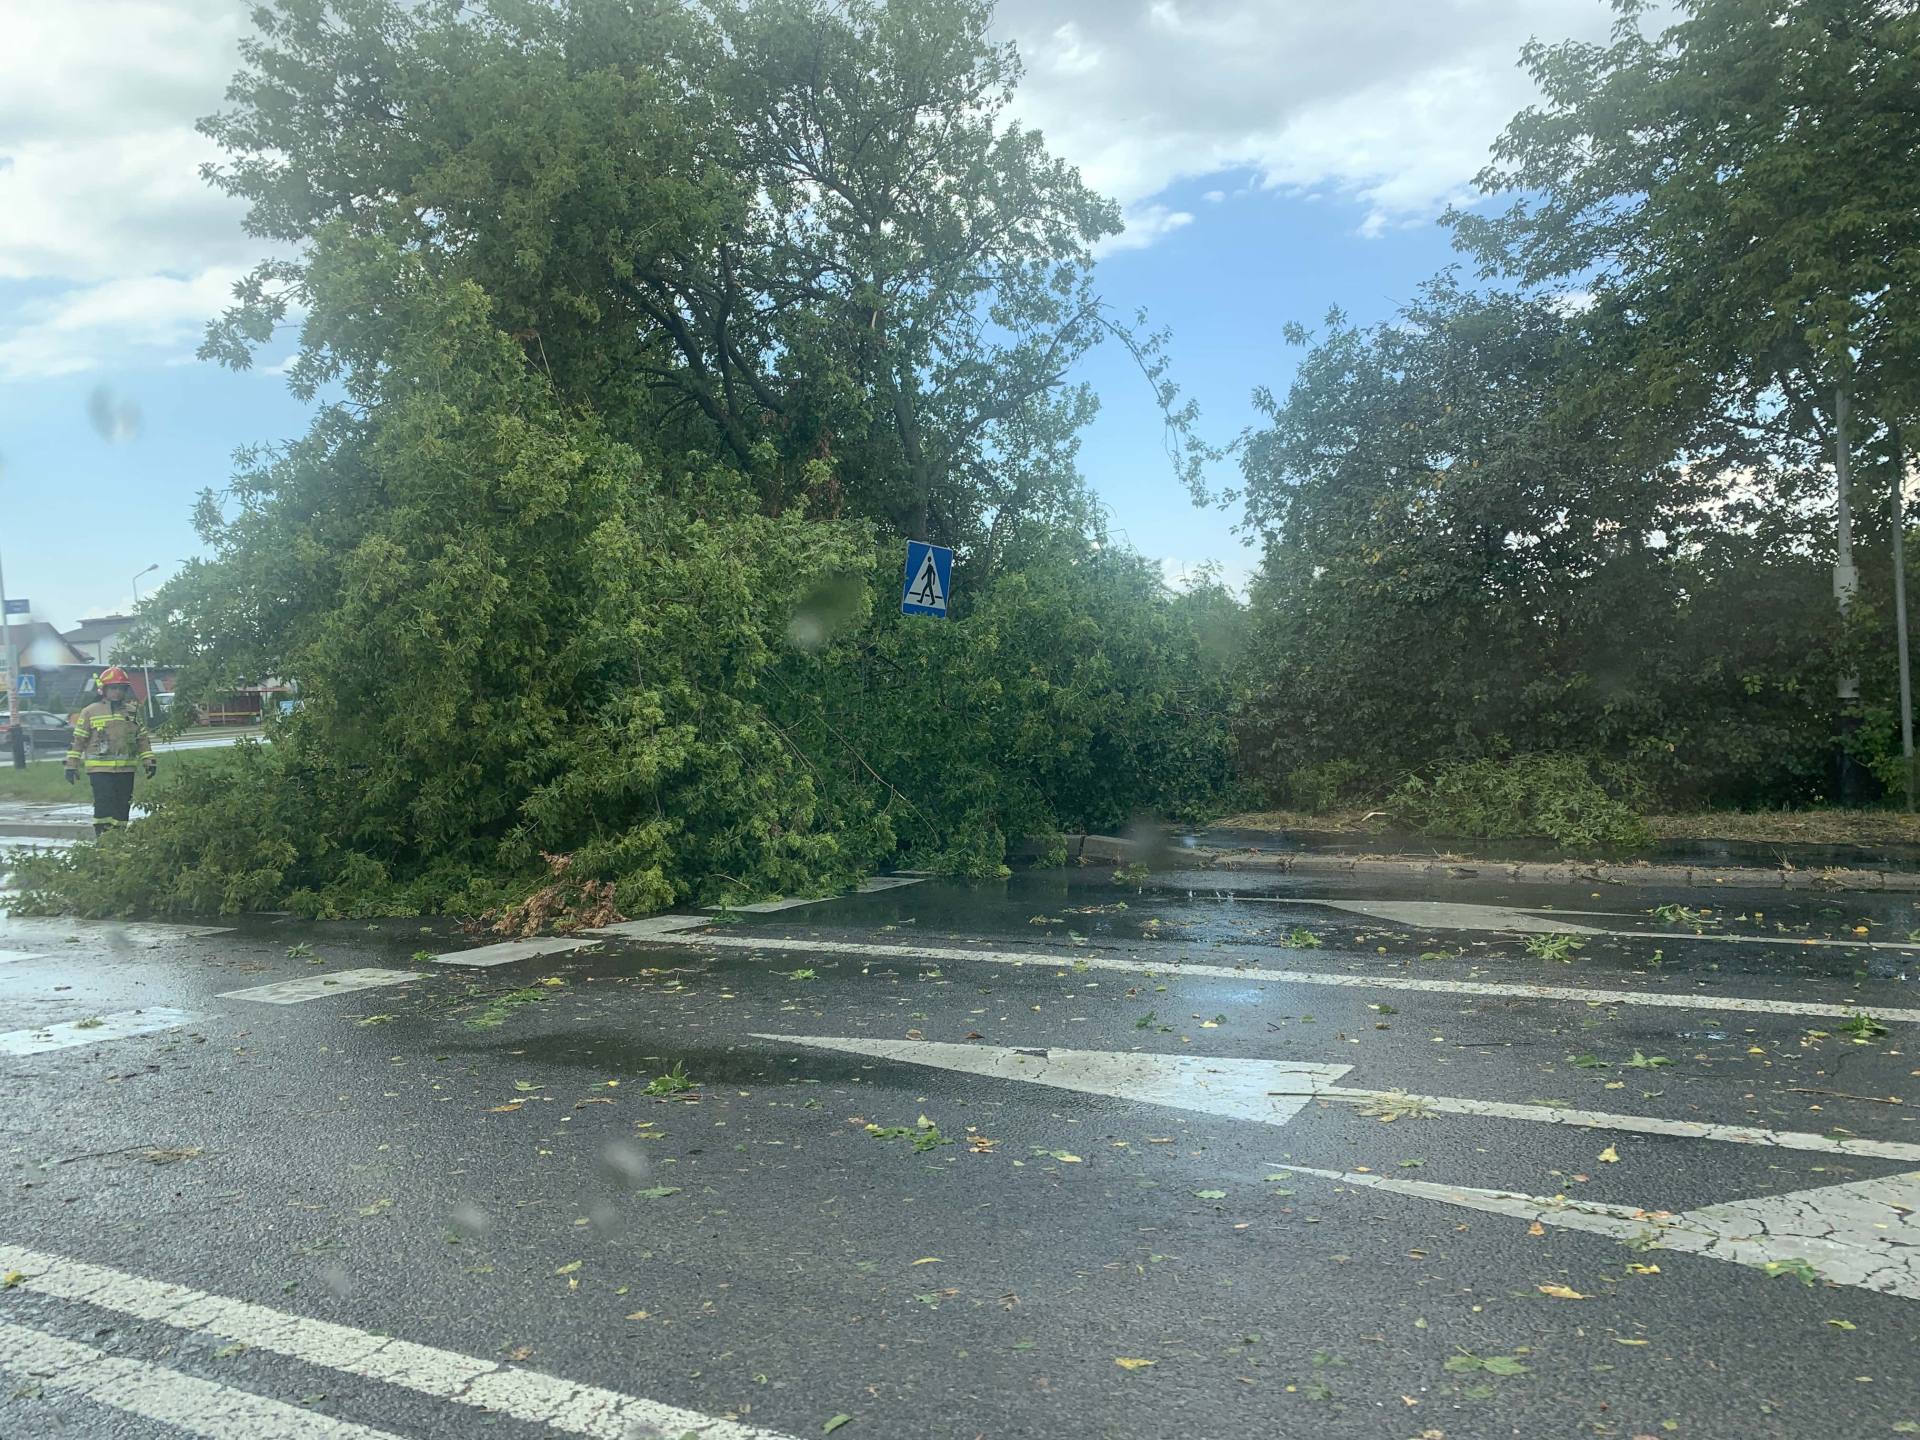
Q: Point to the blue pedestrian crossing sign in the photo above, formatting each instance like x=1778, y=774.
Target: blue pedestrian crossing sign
x=24, y=687
x=928, y=581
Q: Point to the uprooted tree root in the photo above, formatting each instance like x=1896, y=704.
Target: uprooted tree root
x=562, y=904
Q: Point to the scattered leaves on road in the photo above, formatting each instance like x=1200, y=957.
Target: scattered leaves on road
x=1610, y=1156
x=835, y=1423
x=1467, y=1363
x=1560, y=1292
x=1130, y=1362
x=1794, y=1266
x=1397, y=1105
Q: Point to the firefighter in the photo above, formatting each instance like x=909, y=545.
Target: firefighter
x=110, y=738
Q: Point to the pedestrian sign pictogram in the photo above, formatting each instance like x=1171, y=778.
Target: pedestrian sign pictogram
x=928, y=580
x=24, y=687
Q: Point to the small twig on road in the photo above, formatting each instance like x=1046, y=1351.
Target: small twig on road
x=1843, y=1095
x=97, y=1155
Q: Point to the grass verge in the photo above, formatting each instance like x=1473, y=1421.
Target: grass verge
x=44, y=782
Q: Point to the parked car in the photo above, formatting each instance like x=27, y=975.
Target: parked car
x=47, y=733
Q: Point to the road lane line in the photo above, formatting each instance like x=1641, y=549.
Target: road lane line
x=1638, y=1124
x=1510, y=919
x=154, y=1392
x=1861, y=1234
x=319, y=987
x=1252, y=973
x=1272, y=1092
x=560, y=1405
x=93, y=1030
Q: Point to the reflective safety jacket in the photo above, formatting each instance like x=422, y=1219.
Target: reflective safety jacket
x=108, y=740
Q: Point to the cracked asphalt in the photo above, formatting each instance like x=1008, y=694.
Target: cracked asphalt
x=623, y=1171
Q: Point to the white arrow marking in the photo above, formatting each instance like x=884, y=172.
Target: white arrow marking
x=671, y=932
x=1269, y=1091
x=1274, y=1091
x=1862, y=1234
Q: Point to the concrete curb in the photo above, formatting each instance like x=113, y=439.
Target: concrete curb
x=1110, y=849
x=45, y=830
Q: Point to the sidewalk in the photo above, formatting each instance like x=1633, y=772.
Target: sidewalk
x=40, y=820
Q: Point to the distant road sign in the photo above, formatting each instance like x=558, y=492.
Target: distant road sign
x=19, y=607
x=25, y=687
x=929, y=579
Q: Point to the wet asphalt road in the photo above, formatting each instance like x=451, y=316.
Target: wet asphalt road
x=470, y=1161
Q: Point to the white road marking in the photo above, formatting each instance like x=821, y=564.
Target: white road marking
x=319, y=987
x=1252, y=973
x=93, y=1030
x=560, y=1405
x=153, y=1392
x=1455, y=915
x=1442, y=914
x=37, y=931
x=654, y=927
x=14, y=957
x=1272, y=1092
x=1639, y=1124
x=870, y=886
x=509, y=951
x=1861, y=1234
x=1269, y=1091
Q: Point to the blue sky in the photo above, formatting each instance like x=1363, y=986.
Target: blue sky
x=1274, y=158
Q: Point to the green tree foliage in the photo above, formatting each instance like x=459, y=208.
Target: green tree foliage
x=1589, y=519
x=1736, y=182
x=1467, y=558
x=1080, y=693
x=643, y=329
x=797, y=235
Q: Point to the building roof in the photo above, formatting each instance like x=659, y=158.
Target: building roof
x=100, y=627
x=39, y=645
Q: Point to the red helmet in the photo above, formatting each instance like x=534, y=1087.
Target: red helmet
x=113, y=675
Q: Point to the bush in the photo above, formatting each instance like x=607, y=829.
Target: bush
x=1557, y=796
x=1318, y=788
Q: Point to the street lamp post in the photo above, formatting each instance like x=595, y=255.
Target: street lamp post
x=146, y=671
x=15, y=734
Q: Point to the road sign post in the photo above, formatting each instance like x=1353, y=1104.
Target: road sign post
x=929, y=580
x=16, y=736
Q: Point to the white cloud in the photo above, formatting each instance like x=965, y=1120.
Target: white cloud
x=1391, y=106
x=1145, y=224
x=136, y=319
x=95, y=207
x=100, y=190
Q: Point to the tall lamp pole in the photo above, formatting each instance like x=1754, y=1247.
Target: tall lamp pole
x=146, y=671
x=16, y=736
